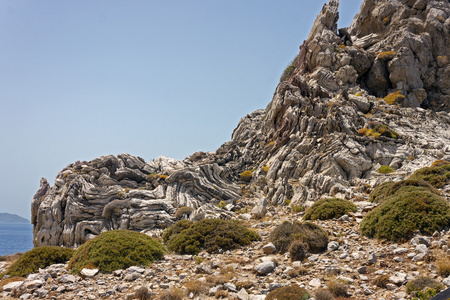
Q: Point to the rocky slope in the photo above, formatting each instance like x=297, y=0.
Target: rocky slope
x=376, y=93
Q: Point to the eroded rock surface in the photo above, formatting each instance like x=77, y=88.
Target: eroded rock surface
x=319, y=136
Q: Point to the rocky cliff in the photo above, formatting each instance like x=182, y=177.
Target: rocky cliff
x=374, y=94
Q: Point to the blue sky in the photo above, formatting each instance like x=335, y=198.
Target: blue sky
x=82, y=79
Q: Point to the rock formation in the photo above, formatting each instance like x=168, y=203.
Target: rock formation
x=376, y=93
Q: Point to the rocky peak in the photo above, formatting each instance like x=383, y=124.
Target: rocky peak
x=374, y=94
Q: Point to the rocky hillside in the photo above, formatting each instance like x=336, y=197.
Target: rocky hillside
x=374, y=94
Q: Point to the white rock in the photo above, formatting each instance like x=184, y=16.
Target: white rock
x=332, y=246
x=269, y=248
x=67, y=279
x=265, y=267
x=315, y=283
x=12, y=285
x=446, y=281
x=421, y=248
x=89, y=273
x=242, y=295
x=398, y=251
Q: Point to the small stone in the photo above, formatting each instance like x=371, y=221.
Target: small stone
x=421, y=248
x=398, y=259
x=372, y=258
x=136, y=269
x=297, y=264
x=398, y=251
x=446, y=281
x=346, y=279
x=212, y=291
x=332, y=246
x=242, y=295
x=343, y=255
x=313, y=258
x=367, y=292
x=410, y=255
x=344, y=218
x=362, y=270
x=355, y=255
x=419, y=257
x=89, y=273
x=400, y=295
x=274, y=285
x=131, y=276
x=398, y=278
x=265, y=267
x=269, y=248
x=333, y=270
x=41, y=292
x=61, y=289
x=12, y=285
x=67, y=279
x=25, y=296
x=391, y=287
x=164, y=285
x=315, y=283
x=230, y=287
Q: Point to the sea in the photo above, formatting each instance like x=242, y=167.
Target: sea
x=15, y=238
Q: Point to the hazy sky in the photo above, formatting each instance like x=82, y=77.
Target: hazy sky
x=82, y=79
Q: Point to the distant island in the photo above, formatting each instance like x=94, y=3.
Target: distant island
x=12, y=218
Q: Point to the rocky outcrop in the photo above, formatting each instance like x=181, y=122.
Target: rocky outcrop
x=376, y=93
x=124, y=192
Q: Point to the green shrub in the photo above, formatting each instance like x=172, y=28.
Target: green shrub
x=394, y=98
x=379, y=193
x=246, y=175
x=39, y=257
x=117, y=249
x=436, y=176
x=289, y=292
x=284, y=234
x=410, y=185
x=183, y=212
x=210, y=234
x=379, y=130
x=385, y=170
x=409, y=209
x=298, y=250
x=422, y=282
x=326, y=209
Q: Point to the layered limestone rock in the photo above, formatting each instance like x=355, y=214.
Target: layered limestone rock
x=376, y=93
x=124, y=192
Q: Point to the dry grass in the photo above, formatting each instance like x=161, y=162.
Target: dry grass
x=338, y=289
x=221, y=294
x=195, y=287
x=142, y=293
x=381, y=281
x=443, y=265
x=323, y=294
x=172, y=294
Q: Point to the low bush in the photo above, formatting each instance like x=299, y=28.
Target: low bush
x=210, y=234
x=326, y=209
x=323, y=294
x=195, y=287
x=436, y=176
x=309, y=233
x=379, y=130
x=142, y=293
x=183, y=212
x=422, y=282
x=387, y=55
x=289, y=292
x=394, y=98
x=409, y=209
x=381, y=281
x=39, y=257
x=385, y=170
x=379, y=193
x=440, y=163
x=337, y=288
x=298, y=250
x=410, y=185
x=117, y=249
x=246, y=175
